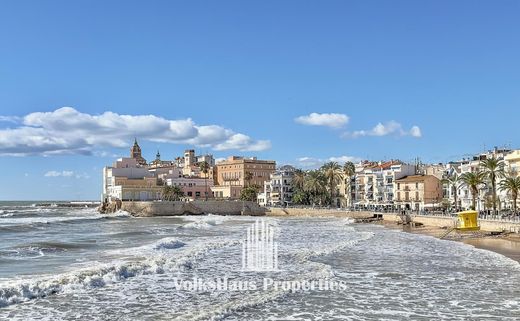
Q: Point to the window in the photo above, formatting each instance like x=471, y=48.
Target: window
x=190, y=193
x=416, y=185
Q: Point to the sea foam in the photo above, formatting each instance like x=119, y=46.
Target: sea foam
x=100, y=275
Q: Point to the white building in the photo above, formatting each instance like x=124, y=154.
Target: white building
x=485, y=190
x=128, y=180
x=375, y=182
x=193, y=187
x=132, y=178
x=278, y=189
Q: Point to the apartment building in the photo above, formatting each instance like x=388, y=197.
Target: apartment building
x=236, y=172
x=418, y=192
x=278, y=190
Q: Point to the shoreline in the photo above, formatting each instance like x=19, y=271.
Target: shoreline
x=507, y=245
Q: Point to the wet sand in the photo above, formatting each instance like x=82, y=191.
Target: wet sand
x=505, y=246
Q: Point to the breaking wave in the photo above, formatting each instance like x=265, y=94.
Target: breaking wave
x=168, y=244
x=204, y=222
x=12, y=292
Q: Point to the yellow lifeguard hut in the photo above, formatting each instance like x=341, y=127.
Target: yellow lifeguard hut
x=467, y=221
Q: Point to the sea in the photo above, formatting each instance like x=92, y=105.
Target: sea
x=76, y=264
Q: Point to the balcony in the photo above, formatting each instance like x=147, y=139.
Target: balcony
x=229, y=179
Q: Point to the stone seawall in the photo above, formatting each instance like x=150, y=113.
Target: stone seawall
x=192, y=208
x=277, y=211
x=485, y=225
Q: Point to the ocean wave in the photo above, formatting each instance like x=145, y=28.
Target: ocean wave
x=348, y=221
x=168, y=244
x=198, y=225
x=307, y=270
x=216, y=219
x=13, y=292
x=119, y=213
x=44, y=220
x=28, y=210
x=114, y=216
x=82, y=215
x=203, y=222
x=39, y=249
x=28, y=252
x=221, y=311
x=59, y=246
x=333, y=248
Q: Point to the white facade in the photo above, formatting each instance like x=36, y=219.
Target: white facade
x=206, y=158
x=278, y=189
x=375, y=183
x=130, y=178
x=127, y=170
x=485, y=190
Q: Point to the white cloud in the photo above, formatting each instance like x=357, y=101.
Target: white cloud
x=9, y=119
x=82, y=175
x=243, y=143
x=344, y=159
x=66, y=174
x=313, y=162
x=384, y=129
x=68, y=131
x=220, y=159
x=57, y=174
x=416, y=131
x=328, y=120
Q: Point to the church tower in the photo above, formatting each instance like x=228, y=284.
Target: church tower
x=135, y=153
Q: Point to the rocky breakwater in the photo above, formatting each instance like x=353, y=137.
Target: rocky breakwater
x=164, y=208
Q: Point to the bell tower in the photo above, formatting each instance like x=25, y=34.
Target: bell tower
x=135, y=153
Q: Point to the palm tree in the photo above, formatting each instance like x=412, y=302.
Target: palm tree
x=171, y=193
x=298, y=180
x=332, y=172
x=453, y=182
x=250, y=193
x=166, y=193
x=204, y=168
x=493, y=168
x=176, y=192
x=300, y=197
x=349, y=169
x=473, y=180
x=315, y=184
x=511, y=184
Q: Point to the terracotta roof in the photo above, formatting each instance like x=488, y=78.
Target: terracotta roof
x=389, y=164
x=385, y=165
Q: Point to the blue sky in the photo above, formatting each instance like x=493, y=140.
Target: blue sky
x=242, y=73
